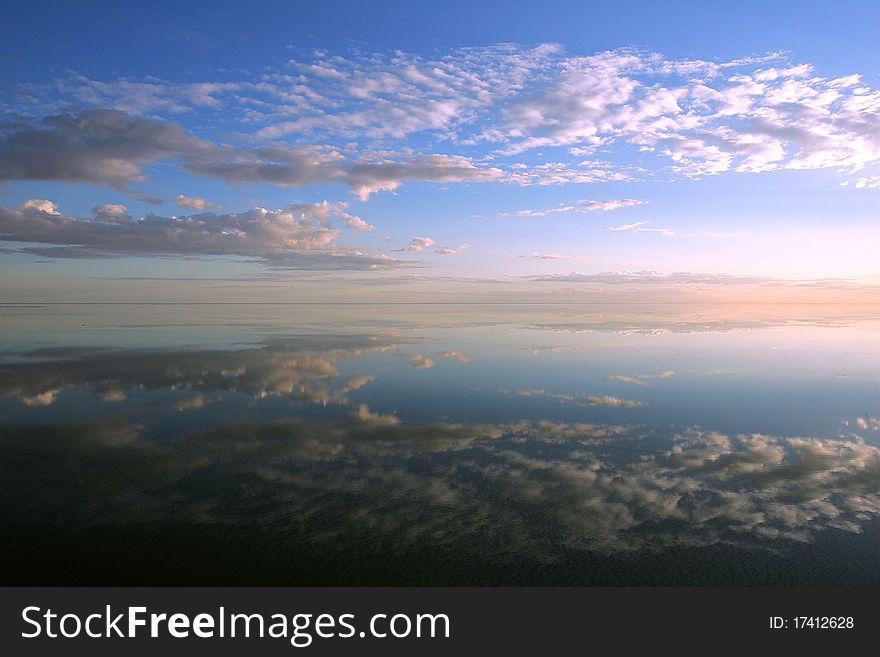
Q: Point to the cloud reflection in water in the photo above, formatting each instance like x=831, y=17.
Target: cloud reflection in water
x=295, y=451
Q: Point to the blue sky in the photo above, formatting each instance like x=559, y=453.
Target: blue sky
x=568, y=142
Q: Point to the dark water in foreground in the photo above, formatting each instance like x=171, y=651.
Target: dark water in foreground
x=439, y=445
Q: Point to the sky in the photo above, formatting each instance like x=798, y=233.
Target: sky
x=326, y=150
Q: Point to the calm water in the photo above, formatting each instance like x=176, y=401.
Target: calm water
x=439, y=444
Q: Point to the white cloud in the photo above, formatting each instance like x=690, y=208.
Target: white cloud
x=577, y=207
x=113, y=213
x=353, y=221
x=560, y=173
x=705, y=123
x=626, y=226
x=867, y=182
x=419, y=244
x=751, y=114
x=553, y=256
x=40, y=205
x=450, y=250
x=638, y=227
x=195, y=202
x=609, y=204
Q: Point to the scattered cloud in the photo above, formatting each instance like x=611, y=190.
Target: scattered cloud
x=661, y=231
x=450, y=250
x=609, y=400
x=627, y=226
x=195, y=202
x=578, y=207
x=639, y=379
x=623, y=378
x=638, y=227
x=609, y=204
x=419, y=244
x=696, y=117
x=537, y=392
x=661, y=375
x=867, y=182
x=709, y=120
x=553, y=256
x=579, y=398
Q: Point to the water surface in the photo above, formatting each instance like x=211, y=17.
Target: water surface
x=440, y=444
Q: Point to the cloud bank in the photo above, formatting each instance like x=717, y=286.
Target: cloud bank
x=651, y=277
x=112, y=147
x=301, y=236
